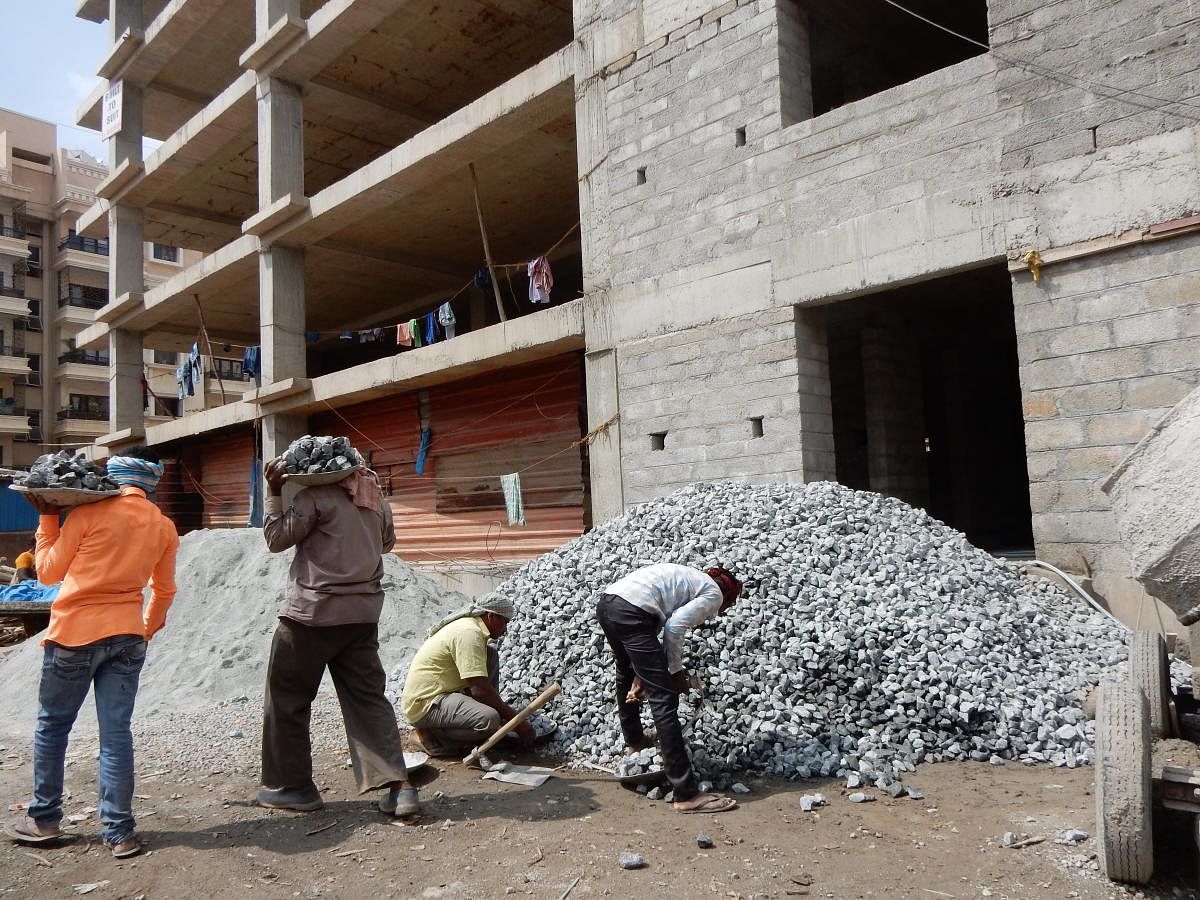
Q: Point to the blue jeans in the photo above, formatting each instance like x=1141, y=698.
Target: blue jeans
x=114, y=664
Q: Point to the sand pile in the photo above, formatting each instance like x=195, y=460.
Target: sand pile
x=217, y=639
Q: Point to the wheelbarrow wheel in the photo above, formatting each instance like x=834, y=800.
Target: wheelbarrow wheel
x=1150, y=672
x=1123, y=799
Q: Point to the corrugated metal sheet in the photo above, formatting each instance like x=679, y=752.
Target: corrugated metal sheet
x=15, y=513
x=220, y=473
x=482, y=428
x=182, y=505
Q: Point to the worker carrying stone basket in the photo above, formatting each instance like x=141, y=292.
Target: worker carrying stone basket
x=671, y=598
x=340, y=526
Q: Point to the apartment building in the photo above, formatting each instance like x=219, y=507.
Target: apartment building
x=943, y=249
x=53, y=393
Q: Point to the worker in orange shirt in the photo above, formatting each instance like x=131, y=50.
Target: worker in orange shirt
x=104, y=554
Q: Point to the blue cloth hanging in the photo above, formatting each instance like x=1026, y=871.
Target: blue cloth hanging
x=252, y=361
x=256, y=493
x=312, y=336
x=423, y=450
x=430, y=328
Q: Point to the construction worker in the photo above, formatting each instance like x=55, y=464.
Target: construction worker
x=104, y=554
x=330, y=619
x=451, y=694
x=669, y=598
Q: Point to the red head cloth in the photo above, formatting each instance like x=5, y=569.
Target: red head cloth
x=730, y=587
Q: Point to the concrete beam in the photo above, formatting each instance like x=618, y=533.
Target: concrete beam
x=539, y=335
x=92, y=10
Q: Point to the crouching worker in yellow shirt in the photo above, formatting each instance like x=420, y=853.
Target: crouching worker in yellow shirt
x=451, y=694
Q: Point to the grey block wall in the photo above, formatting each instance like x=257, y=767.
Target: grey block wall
x=702, y=387
x=1107, y=345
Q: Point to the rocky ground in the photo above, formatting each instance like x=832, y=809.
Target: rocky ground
x=481, y=839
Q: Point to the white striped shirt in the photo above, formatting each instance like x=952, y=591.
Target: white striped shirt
x=680, y=596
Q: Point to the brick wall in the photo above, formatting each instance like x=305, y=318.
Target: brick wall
x=702, y=386
x=1107, y=345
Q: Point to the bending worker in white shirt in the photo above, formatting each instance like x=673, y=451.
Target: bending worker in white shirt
x=631, y=611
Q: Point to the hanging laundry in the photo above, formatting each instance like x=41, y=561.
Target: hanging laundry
x=256, y=493
x=541, y=280
x=404, y=335
x=196, y=364
x=345, y=336
x=514, y=504
x=423, y=450
x=377, y=334
x=430, y=336
x=483, y=280
x=414, y=329
x=183, y=380
x=446, y=319
x=252, y=362
x=312, y=336
x=365, y=337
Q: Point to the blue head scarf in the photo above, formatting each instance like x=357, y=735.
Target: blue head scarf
x=138, y=473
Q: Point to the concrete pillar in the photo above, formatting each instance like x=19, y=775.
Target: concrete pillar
x=122, y=15
x=280, y=141
x=592, y=146
x=795, y=63
x=281, y=300
x=604, y=455
x=816, y=406
x=125, y=406
x=268, y=12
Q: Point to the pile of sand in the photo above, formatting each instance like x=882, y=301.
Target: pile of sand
x=218, y=634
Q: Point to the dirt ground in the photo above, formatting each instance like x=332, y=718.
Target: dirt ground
x=480, y=840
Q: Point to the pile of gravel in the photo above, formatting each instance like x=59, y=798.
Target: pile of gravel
x=310, y=455
x=870, y=638
x=212, y=654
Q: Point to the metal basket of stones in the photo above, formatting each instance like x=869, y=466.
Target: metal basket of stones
x=320, y=460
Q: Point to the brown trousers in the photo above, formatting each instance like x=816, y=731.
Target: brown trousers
x=299, y=657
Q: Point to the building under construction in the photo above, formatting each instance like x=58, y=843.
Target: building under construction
x=946, y=250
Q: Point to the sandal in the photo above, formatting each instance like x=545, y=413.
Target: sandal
x=131, y=846
x=711, y=803
x=28, y=831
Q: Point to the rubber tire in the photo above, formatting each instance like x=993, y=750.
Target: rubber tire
x=1150, y=672
x=1124, y=836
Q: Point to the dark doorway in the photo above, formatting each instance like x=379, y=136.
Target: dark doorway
x=927, y=403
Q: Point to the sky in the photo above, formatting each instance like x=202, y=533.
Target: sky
x=50, y=66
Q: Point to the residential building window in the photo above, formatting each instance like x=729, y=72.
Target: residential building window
x=165, y=252
x=228, y=369
x=166, y=357
x=86, y=406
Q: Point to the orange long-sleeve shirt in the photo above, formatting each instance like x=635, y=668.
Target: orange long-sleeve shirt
x=104, y=554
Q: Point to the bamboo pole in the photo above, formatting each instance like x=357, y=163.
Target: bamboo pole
x=487, y=250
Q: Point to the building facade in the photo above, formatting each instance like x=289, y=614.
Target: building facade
x=53, y=393
x=941, y=249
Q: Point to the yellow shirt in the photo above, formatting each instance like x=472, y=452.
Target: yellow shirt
x=443, y=664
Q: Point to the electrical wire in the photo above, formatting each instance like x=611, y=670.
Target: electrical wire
x=1121, y=94
x=1074, y=585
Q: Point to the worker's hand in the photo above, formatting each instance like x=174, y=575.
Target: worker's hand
x=637, y=693
x=43, y=508
x=273, y=472
x=680, y=682
x=526, y=733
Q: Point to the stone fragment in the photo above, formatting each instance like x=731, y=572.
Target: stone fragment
x=630, y=860
x=860, y=797
x=704, y=842
x=808, y=802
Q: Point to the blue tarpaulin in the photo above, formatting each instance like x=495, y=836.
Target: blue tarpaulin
x=28, y=592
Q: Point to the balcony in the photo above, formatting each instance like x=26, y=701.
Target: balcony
x=77, y=303
x=83, y=252
x=12, y=295
x=85, y=365
x=82, y=422
x=13, y=420
x=13, y=361
x=13, y=241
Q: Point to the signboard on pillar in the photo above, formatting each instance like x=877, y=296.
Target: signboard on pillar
x=110, y=110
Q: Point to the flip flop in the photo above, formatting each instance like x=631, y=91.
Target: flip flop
x=25, y=831
x=714, y=804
